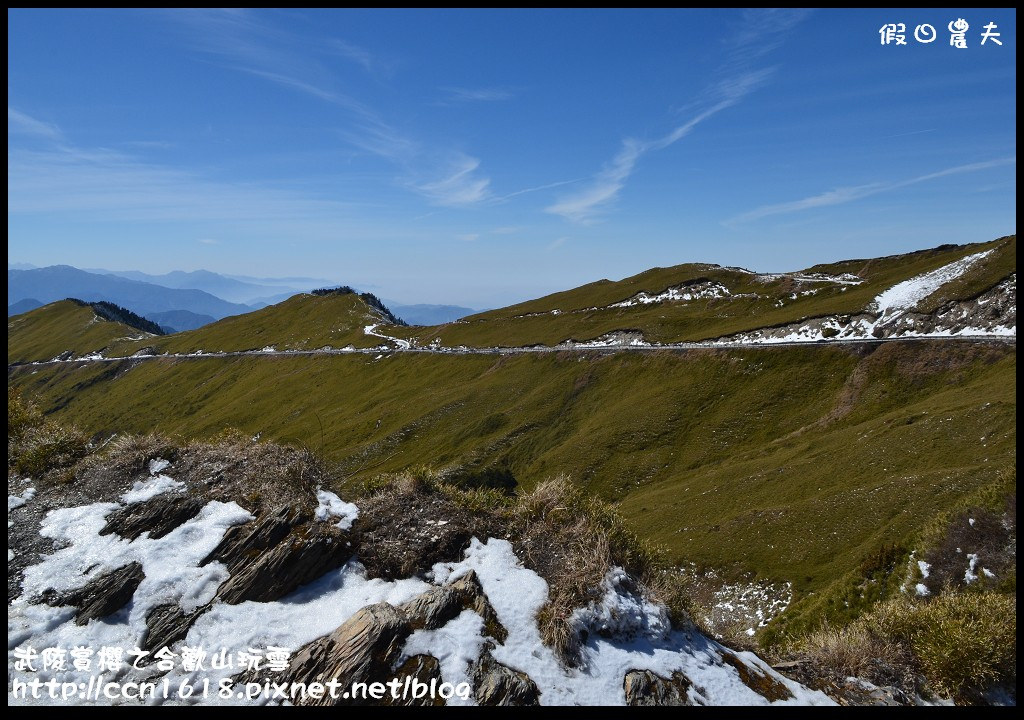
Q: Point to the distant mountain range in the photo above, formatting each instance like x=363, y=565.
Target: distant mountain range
x=428, y=314
x=226, y=288
x=46, y=285
x=180, y=300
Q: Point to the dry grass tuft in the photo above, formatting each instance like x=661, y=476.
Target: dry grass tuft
x=37, y=447
x=572, y=541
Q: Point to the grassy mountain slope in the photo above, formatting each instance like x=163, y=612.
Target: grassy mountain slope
x=302, y=322
x=794, y=463
x=755, y=301
x=64, y=326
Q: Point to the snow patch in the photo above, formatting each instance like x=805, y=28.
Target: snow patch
x=15, y=501
x=679, y=293
x=330, y=505
x=144, y=490
x=905, y=295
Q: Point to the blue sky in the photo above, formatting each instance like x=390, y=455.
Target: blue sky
x=484, y=157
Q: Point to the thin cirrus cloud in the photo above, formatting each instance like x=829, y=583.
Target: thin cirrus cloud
x=102, y=184
x=460, y=186
x=246, y=45
x=458, y=94
x=843, y=195
x=583, y=206
x=762, y=31
x=20, y=123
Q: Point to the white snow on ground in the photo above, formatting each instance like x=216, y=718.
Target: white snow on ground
x=144, y=490
x=456, y=646
x=905, y=295
x=604, y=342
x=15, y=501
x=518, y=593
x=924, y=568
x=702, y=291
x=171, y=565
x=886, y=312
x=922, y=589
x=330, y=505
x=753, y=603
x=972, y=562
x=842, y=279
x=158, y=465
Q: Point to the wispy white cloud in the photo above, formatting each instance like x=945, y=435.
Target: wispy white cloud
x=378, y=138
x=761, y=32
x=104, y=185
x=20, y=123
x=360, y=56
x=585, y=205
x=461, y=185
x=458, y=94
x=243, y=43
x=547, y=186
x=843, y=195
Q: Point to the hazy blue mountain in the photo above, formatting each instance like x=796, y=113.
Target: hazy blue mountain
x=58, y=282
x=302, y=282
x=21, y=266
x=224, y=287
x=22, y=306
x=428, y=314
x=180, y=320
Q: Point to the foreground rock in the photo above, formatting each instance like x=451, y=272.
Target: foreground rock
x=643, y=687
x=436, y=607
x=101, y=596
x=364, y=649
x=497, y=684
x=300, y=557
x=157, y=516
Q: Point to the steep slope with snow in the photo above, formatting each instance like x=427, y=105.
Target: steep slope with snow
x=704, y=303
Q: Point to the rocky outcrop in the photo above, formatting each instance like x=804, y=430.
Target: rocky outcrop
x=643, y=687
x=168, y=624
x=157, y=516
x=363, y=649
x=408, y=534
x=757, y=680
x=303, y=555
x=101, y=596
x=425, y=670
x=242, y=544
x=497, y=684
x=437, y=606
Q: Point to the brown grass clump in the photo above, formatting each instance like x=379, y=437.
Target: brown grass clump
x=960, y=643
x=964, y=643
x=572, y=541
x=37, y=447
